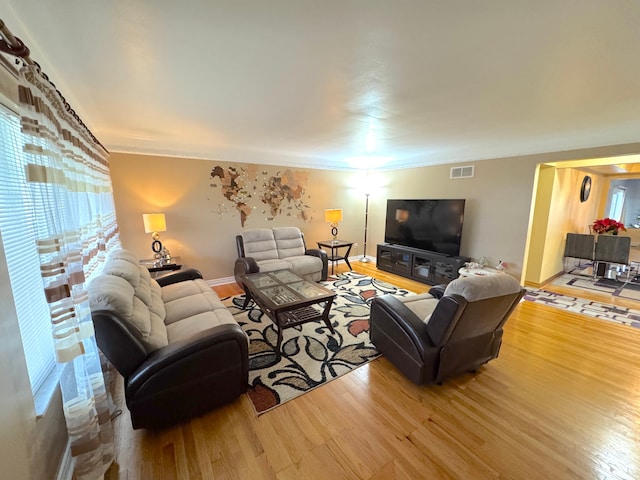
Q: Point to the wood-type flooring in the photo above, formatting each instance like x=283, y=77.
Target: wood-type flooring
x=562, y=401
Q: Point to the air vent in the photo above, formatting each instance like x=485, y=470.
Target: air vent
x=462, y=172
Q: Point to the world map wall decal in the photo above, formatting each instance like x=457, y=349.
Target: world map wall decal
x=247, y=188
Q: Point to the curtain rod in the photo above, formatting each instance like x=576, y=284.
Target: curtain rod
x=12, y=45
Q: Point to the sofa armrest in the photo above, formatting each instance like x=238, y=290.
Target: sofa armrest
x=190, y=359
x=119, y=342
x=444, y=318
x=244, y=266
x=179, y=276
x=389, y=313
x=438, y=290
x=322, y=255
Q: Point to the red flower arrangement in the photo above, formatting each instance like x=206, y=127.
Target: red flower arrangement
x=608, y=225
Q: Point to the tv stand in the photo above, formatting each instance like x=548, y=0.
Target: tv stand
x=421, y=265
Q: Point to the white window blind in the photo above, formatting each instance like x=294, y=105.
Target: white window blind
x=617, y=203
x=18, y=224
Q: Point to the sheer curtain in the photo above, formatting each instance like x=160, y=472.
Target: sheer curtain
x=68, y=179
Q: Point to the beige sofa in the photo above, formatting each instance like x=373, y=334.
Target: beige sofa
x=179, y=349
x=270, y=249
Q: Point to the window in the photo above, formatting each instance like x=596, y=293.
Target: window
x=617, y=202
x=18, y=223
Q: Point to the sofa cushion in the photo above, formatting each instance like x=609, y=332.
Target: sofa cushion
x=307, y=266
x=260, y=244
x=192, y=307
x=273, y=265
x=422, y=305
x=127, y=288
x=124, y=269
x=187, y=299
x=124, y=255
x=289, y=242
x=189, y=326
x=113, y=292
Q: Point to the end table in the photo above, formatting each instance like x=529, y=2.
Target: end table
x=159, y=267
x=334, y=256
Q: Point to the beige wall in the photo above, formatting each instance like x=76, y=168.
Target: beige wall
x=196, y=232
x=495, y=226
x=497, y=212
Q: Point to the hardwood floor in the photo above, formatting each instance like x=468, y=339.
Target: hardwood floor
x=561, y=402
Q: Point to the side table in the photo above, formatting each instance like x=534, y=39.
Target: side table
x=334, y=256
x=159, y=267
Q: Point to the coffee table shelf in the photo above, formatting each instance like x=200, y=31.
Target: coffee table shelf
x=291, y=318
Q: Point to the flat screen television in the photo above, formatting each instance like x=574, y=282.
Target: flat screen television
x=434, y=225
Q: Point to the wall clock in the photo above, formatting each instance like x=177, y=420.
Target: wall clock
x=585, y=190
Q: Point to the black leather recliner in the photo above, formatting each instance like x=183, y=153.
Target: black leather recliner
x=179, y=349
x=448, y=331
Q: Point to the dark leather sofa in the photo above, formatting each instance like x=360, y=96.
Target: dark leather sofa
x=450, y=330
x=179, y=349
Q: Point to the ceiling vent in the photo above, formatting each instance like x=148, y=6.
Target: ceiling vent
x=462, y=172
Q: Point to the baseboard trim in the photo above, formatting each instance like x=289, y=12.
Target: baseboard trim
x=214, y=282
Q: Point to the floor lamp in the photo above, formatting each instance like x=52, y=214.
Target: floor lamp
x=364, y=258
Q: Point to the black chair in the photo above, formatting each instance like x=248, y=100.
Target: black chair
x=451, y=330
x=611, y=249
x=578, y=246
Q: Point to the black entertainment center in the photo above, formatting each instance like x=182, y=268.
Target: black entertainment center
x=421, y=265
x=423, y=240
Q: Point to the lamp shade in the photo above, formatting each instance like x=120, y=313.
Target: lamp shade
x=154, y=222
x=333, y=215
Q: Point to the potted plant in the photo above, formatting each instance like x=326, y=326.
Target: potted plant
x=608, y=226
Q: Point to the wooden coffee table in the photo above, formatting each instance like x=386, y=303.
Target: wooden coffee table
x=287, y=299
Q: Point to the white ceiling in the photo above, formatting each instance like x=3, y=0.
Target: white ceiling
x=311, y=83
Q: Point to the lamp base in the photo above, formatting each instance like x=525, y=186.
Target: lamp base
x=162, y=257
x=365, y=259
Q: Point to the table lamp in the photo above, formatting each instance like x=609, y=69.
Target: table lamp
x=333, y=216
x=154, y=223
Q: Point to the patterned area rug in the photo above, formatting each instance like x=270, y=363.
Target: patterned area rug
x=624, y=289
x=612, y=313
x=311, y=354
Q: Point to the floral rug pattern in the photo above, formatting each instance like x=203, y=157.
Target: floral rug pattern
x=311, y=354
